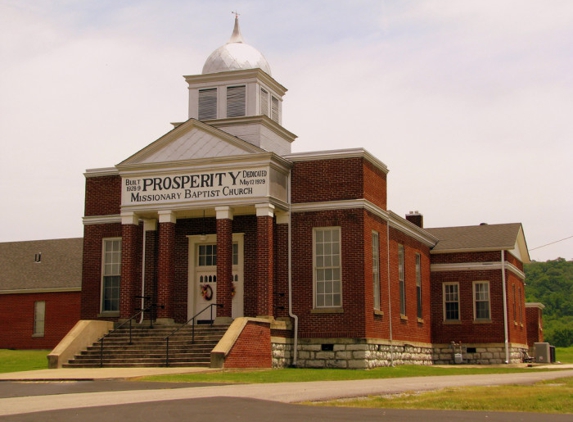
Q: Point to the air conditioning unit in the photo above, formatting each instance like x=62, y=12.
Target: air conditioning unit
x=542, y=352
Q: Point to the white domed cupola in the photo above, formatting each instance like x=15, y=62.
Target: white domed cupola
x=236, y=93
x=236, y=55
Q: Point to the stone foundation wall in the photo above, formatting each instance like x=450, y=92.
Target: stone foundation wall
x=349, y=353
x=478, y=354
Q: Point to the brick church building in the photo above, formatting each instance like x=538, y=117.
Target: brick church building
x=299, y=248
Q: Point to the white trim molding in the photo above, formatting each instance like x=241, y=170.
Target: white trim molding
x=394, y=220
x=477, y=266
x=101, y=219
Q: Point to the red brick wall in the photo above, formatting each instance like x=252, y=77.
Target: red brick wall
x=338, y=179
x=165, y=269
x=516, y=315
x=351, y=322
x=91, y=268
x=224, y=266
x=265, y=265
x=377, y=324
x=17, y=316
x=281, y=270
x=252, y=349
x=467, y=331
x=534, y=325
x=457, y=258
x=131, y=260
x=103, y=195
x=375, y=185
x=409, y=328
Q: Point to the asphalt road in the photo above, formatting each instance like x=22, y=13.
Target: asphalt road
x=85, y=401
x=228, y=409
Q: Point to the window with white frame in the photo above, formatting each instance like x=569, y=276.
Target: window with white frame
x=236, y=101
x=514, y=304
x=419, y=285
x=401, y=279
x=327, y=267
x=481, y=300
x=451, y=296
x=39, y=318
x=111, y=274
x=520, y=305
x=376, y=269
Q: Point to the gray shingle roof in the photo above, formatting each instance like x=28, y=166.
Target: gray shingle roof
x=60, y=266
x=474, y=238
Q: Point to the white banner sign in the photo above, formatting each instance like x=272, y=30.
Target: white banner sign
x=188, y=187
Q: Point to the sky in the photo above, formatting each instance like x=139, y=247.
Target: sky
x=469, y=103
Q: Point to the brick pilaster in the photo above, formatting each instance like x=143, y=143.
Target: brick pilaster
x=265, y=260
x=224, y=263
x=280, y=288
x=130, y=265
x=150, y=290
x=166, y=266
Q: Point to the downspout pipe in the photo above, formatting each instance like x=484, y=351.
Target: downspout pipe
x=505, y=323
x=290, y=312
x=389, y=290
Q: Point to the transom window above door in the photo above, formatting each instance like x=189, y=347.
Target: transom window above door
x=208, y=255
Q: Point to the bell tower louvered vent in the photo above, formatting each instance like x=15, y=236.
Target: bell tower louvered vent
x=264, y=102
x=236, y=101
x=275, y=113
x=208, y=104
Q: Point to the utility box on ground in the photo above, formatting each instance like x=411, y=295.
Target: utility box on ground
x=542, y=352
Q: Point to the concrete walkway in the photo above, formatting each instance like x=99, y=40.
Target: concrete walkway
x=92, y=374
x=285, y=392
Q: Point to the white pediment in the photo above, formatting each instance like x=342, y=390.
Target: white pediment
x=192, y=140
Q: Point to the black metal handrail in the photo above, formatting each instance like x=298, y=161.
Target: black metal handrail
x=192, y=321
x=101, y=340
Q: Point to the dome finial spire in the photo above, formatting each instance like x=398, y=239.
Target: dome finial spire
x=236, y=37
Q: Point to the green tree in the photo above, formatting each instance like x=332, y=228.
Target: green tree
x=551, y=283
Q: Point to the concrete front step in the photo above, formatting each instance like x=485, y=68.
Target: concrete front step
x=141, y=365
x=148, y=348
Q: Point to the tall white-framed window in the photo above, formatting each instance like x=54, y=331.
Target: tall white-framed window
x=401, y=279
x=419, y=285
x=236, y=101
x=111, y=274
x=327, y=267
x=451, y=297
x=514, y=304
x=520, y=306
x=482, y=309
x=208, y=104
x=376, y=269
x=39, y=318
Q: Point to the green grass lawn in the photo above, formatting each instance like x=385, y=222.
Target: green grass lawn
x=305, y=375
x=564, y=354
x=555, y=396
x=23, y=360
